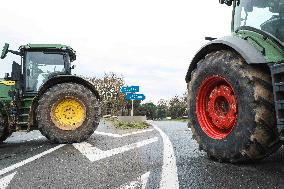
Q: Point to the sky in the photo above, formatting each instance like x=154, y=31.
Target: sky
x=149, y=42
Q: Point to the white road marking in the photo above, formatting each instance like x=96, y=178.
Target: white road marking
x=122, y=135
x=169, y=170
x=5, y=181
x=107, y=134
x=40, y=137
x=141, y=182
x=24, y=162
x=18, y=137
x=95, y=154
x=137, y=132
x=144, y=180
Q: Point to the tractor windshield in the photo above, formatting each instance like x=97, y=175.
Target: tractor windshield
x=40, y=67
x=265, y=15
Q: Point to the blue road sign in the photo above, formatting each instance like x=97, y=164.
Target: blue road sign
x=132, y=96
x=131, y=89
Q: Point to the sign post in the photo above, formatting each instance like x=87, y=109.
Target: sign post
x=131, y=95
x=132, y=109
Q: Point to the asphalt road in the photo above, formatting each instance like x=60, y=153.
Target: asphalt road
x=163, y=156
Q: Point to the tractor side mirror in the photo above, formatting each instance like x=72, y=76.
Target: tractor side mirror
x=5, y=51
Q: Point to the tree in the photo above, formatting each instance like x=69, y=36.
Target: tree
x=177, y=107
x=112, y=100
x=148, y=109
x=162, y=109
x=128, y=107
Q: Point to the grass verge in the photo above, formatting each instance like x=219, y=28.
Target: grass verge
x=128, y=125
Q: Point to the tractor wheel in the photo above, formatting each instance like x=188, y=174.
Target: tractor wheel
x=231, y=108
x=4, y=131
x=67, y=113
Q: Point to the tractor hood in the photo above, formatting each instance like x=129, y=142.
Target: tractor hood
x=5, y=88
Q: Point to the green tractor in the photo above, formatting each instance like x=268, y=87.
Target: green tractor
x=42, y=94
x=236, y=85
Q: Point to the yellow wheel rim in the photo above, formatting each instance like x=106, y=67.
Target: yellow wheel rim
x=68, y=113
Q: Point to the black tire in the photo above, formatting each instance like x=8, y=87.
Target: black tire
x=254, y=135
x=56, y=93
x=4, y=130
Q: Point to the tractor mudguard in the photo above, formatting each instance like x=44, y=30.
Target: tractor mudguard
x=54, y=81
x=64, y=79
x=241, y=46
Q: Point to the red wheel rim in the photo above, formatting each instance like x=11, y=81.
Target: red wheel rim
x=216, y=107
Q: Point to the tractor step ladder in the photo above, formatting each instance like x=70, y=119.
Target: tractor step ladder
x=277, y=74
x=24, y=115
x=23, y=119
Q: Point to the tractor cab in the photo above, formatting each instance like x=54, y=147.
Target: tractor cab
x=263, y=15
x=39, y=63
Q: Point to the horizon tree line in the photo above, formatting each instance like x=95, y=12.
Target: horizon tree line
x=113, y=102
